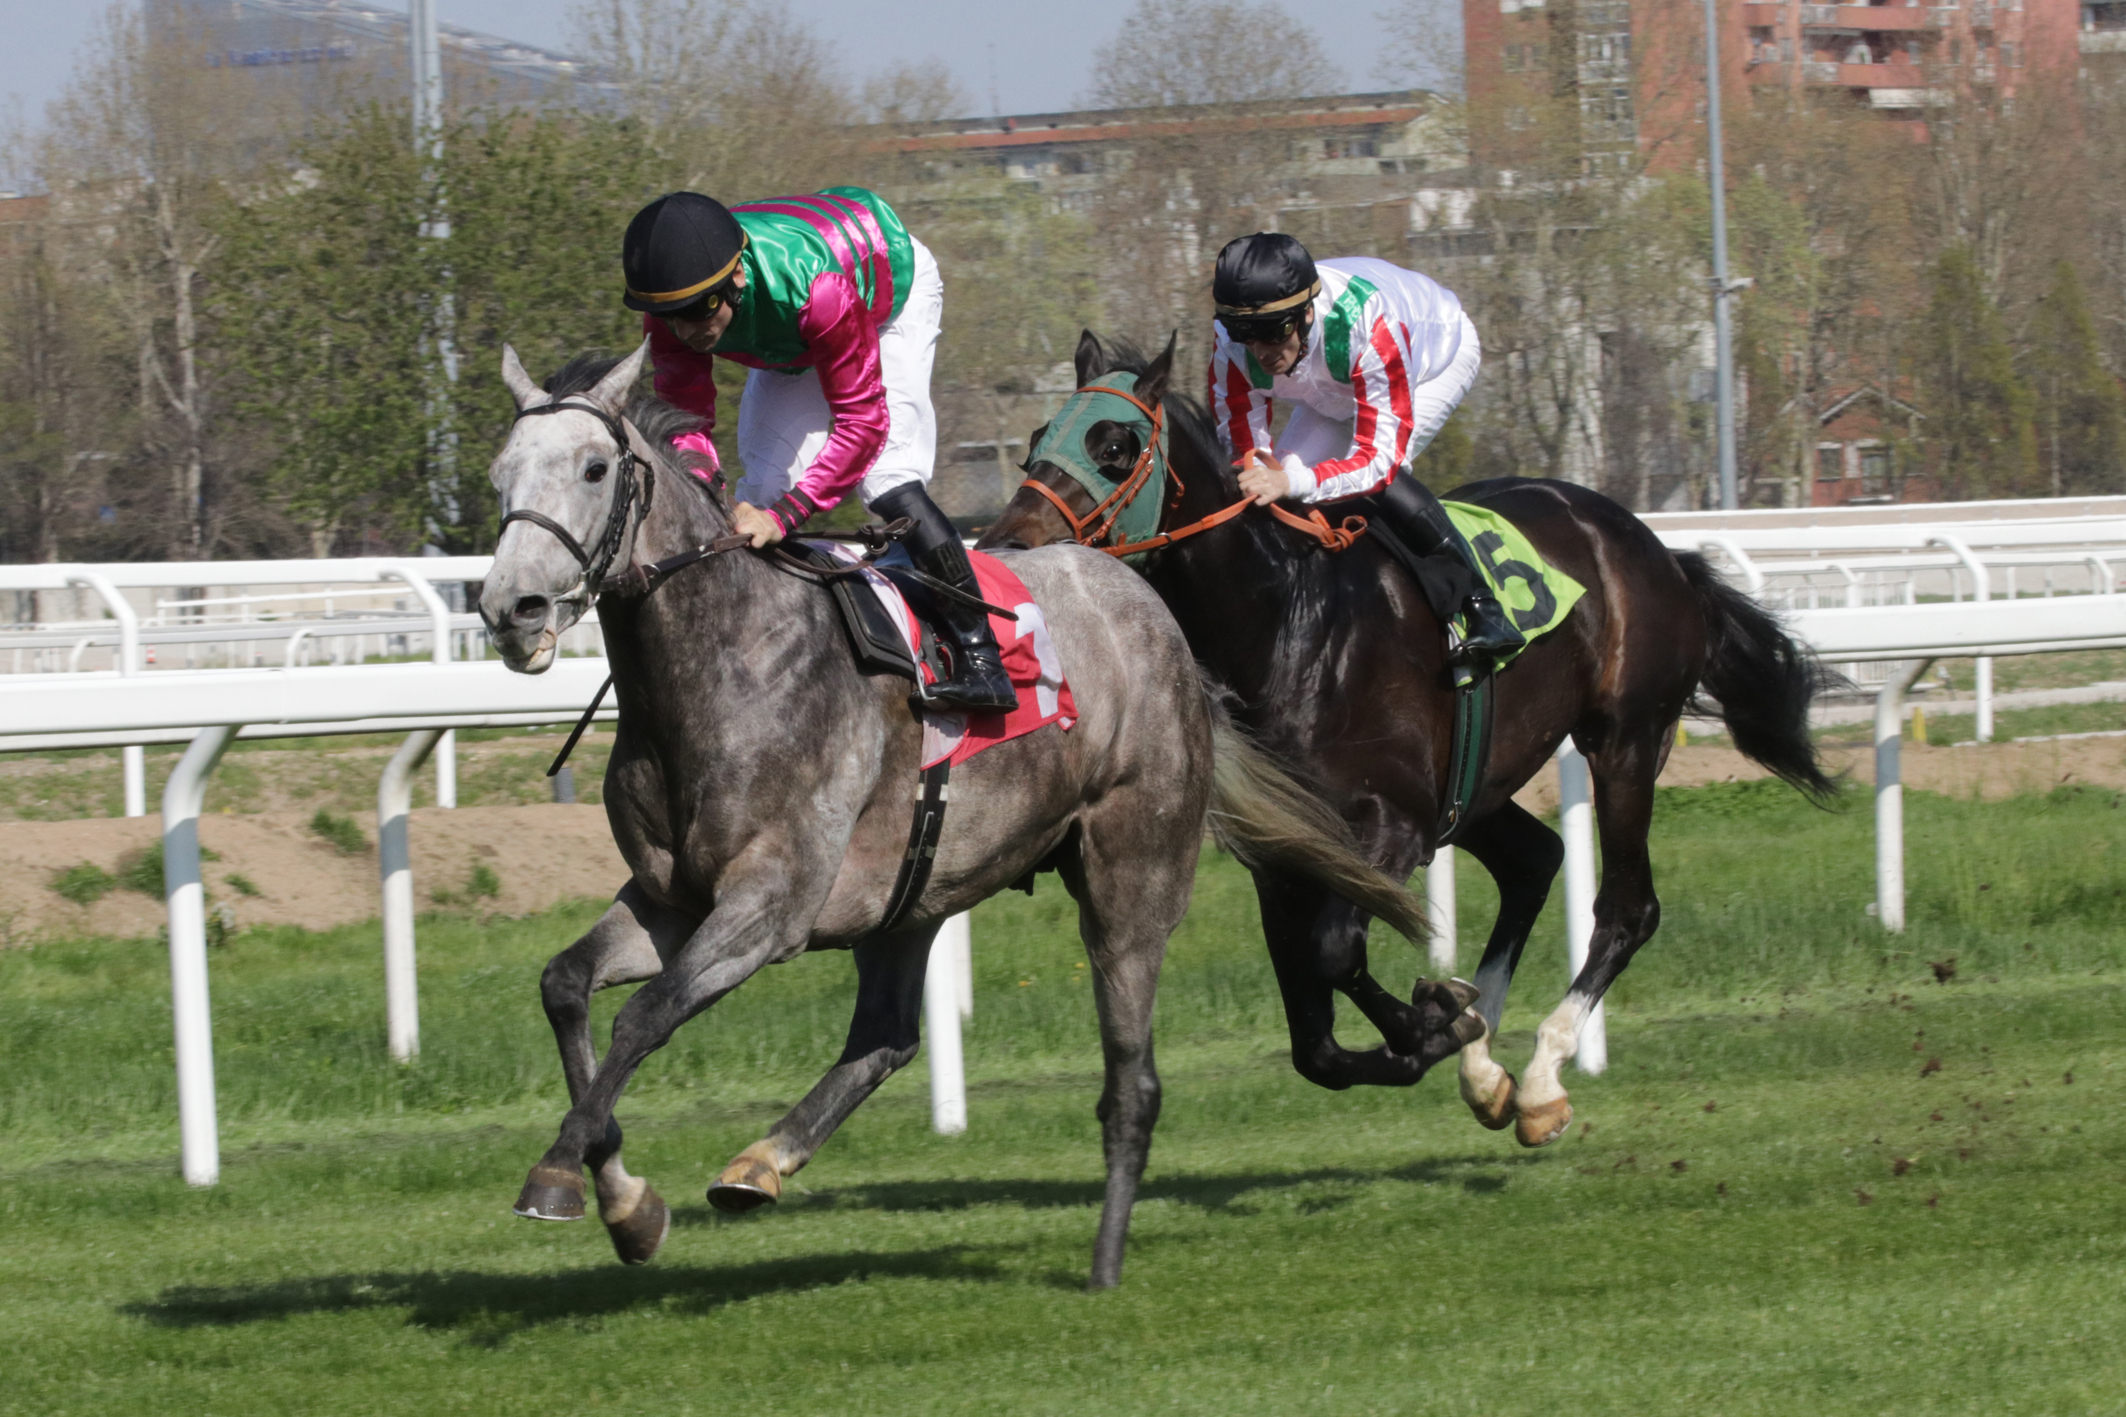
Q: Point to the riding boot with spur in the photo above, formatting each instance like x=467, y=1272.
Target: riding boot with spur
x=1417, y=517
x=978, y=681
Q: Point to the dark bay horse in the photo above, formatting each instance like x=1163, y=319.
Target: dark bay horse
x=1338, y=665
x=761, y=790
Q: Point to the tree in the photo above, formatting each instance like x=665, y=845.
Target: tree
x=151, y=141
x=2080, y=412
x=1208, y=52
x=1182, y=191
x=737, y=98
x=329, y=295
x=1978, y=410
x=62, y=399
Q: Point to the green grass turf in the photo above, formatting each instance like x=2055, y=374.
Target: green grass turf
x=1773, y=1203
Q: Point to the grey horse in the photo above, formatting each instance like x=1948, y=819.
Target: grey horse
x=761, y=788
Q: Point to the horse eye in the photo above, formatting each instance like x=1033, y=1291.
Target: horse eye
x=594, y=473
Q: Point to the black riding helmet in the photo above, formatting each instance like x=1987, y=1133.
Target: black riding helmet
x=1263, y=286
x=678, y=250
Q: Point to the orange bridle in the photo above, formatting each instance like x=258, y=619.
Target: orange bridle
x=1095, y=526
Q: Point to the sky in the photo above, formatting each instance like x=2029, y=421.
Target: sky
x=1035, y=57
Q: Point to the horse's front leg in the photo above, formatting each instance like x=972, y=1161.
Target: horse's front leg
x=1626, y=914
x=628, y=944
x=748, y=929
x=1523, y=857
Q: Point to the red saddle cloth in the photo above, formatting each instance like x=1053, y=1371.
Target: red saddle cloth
x=1030, y=659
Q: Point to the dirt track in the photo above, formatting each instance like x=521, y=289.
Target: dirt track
x=540, y=855
x=545, y=854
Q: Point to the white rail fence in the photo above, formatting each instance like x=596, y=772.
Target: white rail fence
x=208, y=709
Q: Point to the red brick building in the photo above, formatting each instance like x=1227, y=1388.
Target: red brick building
x=1636, y=67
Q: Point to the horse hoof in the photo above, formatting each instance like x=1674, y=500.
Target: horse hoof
x=1543, y=1124
x=639, y=1231
x=551, y=1194
x=1468, y=1027
x=1465, y=993
x=1496, y=1112
x=746, y=1184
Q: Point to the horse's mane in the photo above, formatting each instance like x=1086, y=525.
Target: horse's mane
x=657, y=421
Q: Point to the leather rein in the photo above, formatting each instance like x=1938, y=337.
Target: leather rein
x=639, y=580
x=1094, y=528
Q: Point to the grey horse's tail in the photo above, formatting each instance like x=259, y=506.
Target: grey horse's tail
x=1265, y=817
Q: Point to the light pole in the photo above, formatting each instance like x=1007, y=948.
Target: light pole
x=1723, y=289
x=428, y=140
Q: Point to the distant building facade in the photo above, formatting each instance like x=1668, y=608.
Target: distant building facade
x=335, y=52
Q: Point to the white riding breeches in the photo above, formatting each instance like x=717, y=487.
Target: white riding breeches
x=783, y=419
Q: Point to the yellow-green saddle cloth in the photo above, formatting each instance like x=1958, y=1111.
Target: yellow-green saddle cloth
x=1537, y=595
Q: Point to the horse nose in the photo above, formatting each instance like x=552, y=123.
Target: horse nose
x=530, y=610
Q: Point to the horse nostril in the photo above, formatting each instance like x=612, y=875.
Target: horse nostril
x=530, y=607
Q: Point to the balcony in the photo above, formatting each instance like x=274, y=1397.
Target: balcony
x=1873, y=17
x=1900, y=75
x=2102, y=41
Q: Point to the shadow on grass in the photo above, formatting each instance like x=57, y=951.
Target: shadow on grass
x=491, y=1308
x=1476, y=1174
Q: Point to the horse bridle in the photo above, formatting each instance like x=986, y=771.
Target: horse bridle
x=1093, y=528
x=617, y=515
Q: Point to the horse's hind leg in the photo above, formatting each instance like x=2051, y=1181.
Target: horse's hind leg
x=1132, y=890
x=627, y=945
x=1626, y=915
x=1302, y=924
x=1523, y=857
x=883, y=1036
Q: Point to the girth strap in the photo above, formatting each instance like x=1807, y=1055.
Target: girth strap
x=1468, y=754
x=922, y=851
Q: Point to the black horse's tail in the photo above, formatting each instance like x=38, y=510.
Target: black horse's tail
x=1264, y=816
x=1760, y=680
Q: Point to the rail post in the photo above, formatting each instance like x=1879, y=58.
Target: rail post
x=132, y=755
x=1890, y=795
x=1439, y=910
x=1982, y=676
x=1576, y=825
x=439, y=653
x=192, y=1019
x=394, y=800
x=944, y=986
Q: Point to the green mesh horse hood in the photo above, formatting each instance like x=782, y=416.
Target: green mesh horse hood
x=1112, y=398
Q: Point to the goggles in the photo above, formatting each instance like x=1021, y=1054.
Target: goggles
x=703, y=308
x=1261, y=329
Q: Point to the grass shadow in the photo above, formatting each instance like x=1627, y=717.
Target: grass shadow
x=1478, y=1174
x=489, y=1309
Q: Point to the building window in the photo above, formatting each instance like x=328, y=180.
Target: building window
x=1875, y=469
x=1830, y=462
x=1351, y=147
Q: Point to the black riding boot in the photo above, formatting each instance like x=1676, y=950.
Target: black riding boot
x=978, y=681
x=1417, y=517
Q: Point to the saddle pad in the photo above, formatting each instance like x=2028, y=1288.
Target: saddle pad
x=1030, y=660
x=1535, y=593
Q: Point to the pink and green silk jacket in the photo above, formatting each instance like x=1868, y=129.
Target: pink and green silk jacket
x=824, y=274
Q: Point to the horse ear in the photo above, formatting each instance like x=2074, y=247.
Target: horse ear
x=612, y=391
x=1092, y=359
x=1151, y=385
x=520, y=385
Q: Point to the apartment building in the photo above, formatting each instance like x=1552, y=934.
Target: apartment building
x=1636, y=67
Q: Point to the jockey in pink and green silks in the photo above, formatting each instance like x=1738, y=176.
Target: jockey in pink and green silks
x=835, y=309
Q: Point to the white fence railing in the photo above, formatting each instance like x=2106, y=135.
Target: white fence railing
x=210, y=708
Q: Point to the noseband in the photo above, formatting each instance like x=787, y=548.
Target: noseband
x=622, y=506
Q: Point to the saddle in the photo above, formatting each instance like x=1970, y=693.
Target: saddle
x=875, y=642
